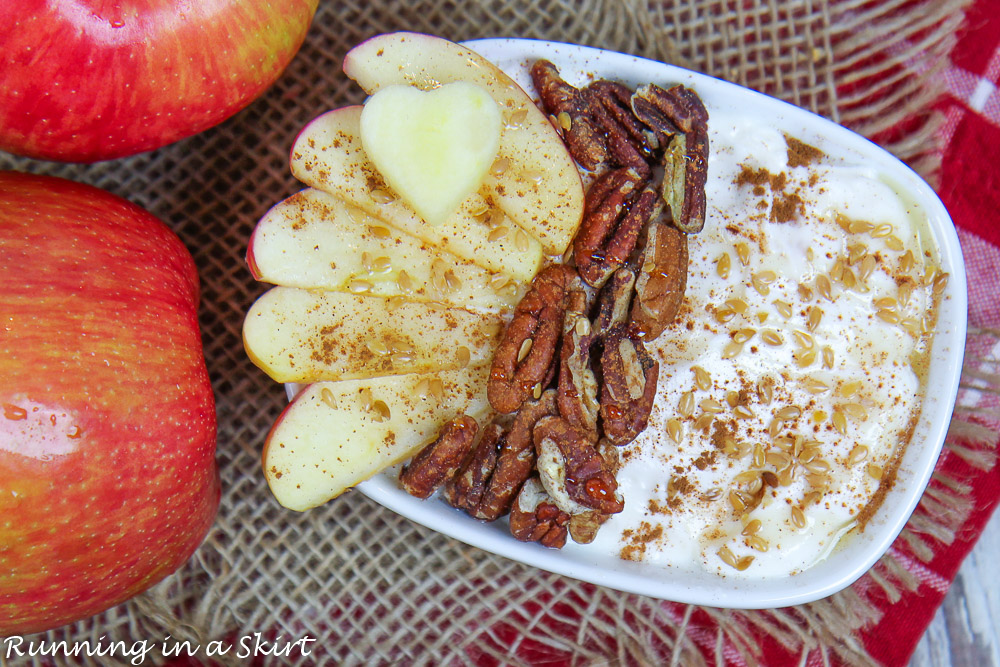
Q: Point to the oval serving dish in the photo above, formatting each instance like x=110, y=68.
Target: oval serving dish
x=861, y=549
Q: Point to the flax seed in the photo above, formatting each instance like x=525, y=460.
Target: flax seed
x=702, y=379
x=772, y=337
x=737, y=501
x=823, y=287
x=704, y=421
x=377, y=347
x=789, y=413
x=686, y=405
x=497, y=234
x=675, y=429
x=404, y=282
x=727, y=556
x=358, y=286
x=737, y=304
x=857, y=455
x=890, y=316
x=500, y=166
x=328, y=398
x=525, y=349
x=743, y=252
x=381, y=411
x=867, y=267
x=711, y=406
x=722, y=264
x=839, y=421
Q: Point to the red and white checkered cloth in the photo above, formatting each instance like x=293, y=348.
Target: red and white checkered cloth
x=970, y=189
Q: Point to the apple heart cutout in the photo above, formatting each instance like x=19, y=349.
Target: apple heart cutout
x=432, y=147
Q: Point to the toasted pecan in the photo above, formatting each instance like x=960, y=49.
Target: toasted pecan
x=437, y=462
x=516, y=459
x=575, y=475
x=465, y=489
x=535, y=327
x=661, y=281
x=583, y=138
x=617, y=209
x=628, y=385
x=535, y=518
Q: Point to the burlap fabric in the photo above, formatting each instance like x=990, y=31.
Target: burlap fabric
x=367, y=584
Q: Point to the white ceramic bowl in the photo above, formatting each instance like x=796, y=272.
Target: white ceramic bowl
x=859, y=552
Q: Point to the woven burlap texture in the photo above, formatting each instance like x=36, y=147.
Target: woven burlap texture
x=369, y=585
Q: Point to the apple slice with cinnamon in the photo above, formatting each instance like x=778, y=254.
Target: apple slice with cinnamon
x=313, y=240
x=534, y=179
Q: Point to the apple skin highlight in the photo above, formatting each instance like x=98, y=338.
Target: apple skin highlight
x=92, y=80
x=108, y=478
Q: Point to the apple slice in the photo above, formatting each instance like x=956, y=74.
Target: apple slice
x=535, y=181
x=328, y=155
x=297, y=335
x=334, y=435
x=314, y=240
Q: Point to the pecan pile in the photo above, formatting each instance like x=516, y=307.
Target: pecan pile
x=571, y=377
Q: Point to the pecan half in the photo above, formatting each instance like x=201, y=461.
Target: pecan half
x=621, y=146
x=583, y=139
x=628, y=385
x=685, y=160
x=437, y=462
x=662, y=279
x=616, y=98
x=524, y=357
x=613, y=302
x=583, y=527
x=577, y=386
x=615, y=212
x=516, y=460
x=535, y=518
x=465, y=489
x=572, y=471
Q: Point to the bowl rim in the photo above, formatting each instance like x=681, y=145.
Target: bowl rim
x=814, y=583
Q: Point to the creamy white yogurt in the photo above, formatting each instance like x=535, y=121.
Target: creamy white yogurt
x=849, y=384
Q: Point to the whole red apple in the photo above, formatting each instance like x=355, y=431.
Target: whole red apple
x=88, y=80
x=108, y=480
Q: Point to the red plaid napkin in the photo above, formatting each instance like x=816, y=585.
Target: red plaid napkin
x=970, y=189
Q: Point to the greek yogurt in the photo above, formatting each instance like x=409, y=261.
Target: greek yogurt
x=793, y=377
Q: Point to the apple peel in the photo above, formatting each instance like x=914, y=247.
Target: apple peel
x=432, y=147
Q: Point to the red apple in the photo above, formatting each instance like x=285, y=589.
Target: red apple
x=88, y=80
x=108, y=480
